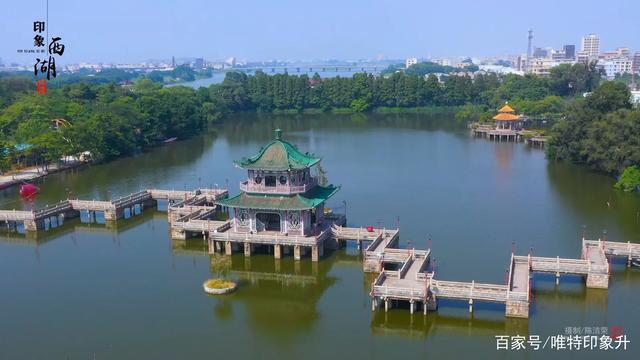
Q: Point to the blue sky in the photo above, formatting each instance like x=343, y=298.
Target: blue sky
x=136, y=30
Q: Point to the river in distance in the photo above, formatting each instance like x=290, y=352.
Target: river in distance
x=218, y=76
x=88, y=291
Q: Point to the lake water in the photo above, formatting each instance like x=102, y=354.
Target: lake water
x=218, y=76
x=85, y=291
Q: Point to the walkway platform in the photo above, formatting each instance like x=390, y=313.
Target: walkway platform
x=113, y=210
x=413, y=283
x=282, y=243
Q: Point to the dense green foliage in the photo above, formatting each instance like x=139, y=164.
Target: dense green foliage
x=107, y=120
x=538, y=96
x=180, y=73
x=630, y=179
x=361, y=92
x=85, y=76
x=601, y=131
x=426, y=68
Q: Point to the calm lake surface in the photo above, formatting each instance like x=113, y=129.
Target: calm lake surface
x=218, y=76
x=85, y=291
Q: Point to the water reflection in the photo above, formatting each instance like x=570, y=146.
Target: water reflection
x=80, y=226
x=401, y=323
x=598, y=205
x=280, y=297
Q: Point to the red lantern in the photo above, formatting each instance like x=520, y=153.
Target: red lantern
x=28, y=190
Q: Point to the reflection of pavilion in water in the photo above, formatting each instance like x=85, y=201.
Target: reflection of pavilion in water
x=504, y=155
x=276, y=293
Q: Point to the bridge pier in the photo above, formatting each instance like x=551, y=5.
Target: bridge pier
x=34, y=225
x=519, y=309
x=412, y=306
x=597, y=281
x=247, y=249
x=178, y=234
x=113, y=214
x=277, y=251
x=386, y=305
x=470, y=305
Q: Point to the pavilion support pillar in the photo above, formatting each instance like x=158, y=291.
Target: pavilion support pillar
x=317, y=251
x=387, y=305
x=470, y=305
x=277, y=251
x=247, y=249
x=297, y=250
x=557, y=278
x=412, y=306
x=227, y=248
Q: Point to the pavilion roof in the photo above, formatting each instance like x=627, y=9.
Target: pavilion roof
x=507, y=109
x=278, y=155
x=306, y=201
x=506, y=117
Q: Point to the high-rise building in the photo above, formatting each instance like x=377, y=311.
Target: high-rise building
x=569, y=52
x=591, y=45
x=636, y=63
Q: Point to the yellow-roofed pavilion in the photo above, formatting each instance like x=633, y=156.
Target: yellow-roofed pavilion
x=507, y=119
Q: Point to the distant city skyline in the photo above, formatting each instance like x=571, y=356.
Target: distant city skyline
x=125, y=31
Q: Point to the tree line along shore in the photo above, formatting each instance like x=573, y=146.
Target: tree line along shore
x=115, y=115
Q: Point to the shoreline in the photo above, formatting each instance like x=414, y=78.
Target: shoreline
x=34, y=173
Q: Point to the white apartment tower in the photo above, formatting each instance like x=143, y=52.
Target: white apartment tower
x=410, y=61
x=591, y=46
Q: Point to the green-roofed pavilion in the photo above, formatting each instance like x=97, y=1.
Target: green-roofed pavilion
x=280, y=193
x=279, y=155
